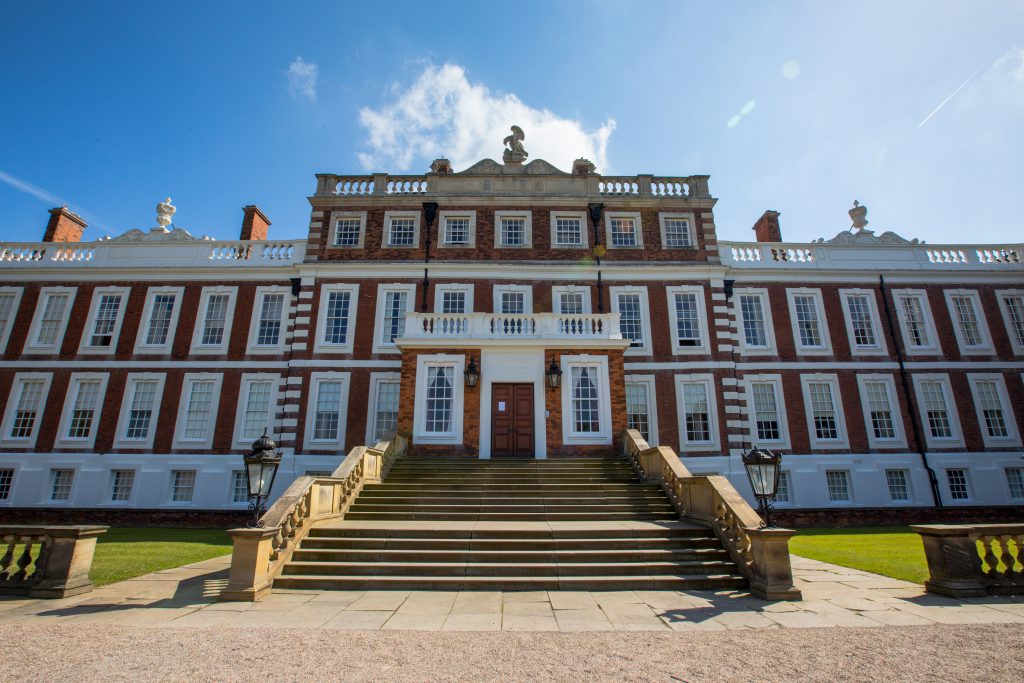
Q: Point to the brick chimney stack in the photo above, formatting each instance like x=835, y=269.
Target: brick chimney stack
x=767, y=229
x=64, y=226
x=254, y=224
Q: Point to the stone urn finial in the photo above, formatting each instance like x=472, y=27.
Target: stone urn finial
x=515, y=153
x=165, y=212
x=859, y=215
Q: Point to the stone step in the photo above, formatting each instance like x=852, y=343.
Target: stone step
x=486, y=505
x=510, y=516
x=507, y=481
x=459, y=488
x=474, y=556
x=377, y=543
x=526, y=531
x=672, y=581
x=506, y=499
x=506, y=569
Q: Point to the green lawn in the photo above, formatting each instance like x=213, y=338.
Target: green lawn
x=892, y=551
x=123, y=553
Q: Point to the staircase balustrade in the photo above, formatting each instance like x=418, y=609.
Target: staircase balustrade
x=259, y=554
x=972, y=560
x=47, y=561
x=761, y=554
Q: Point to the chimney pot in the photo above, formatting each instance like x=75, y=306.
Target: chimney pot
x=254, y=224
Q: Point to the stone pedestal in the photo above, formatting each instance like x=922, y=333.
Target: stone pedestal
x=249, y=579
x=69, y=559
x=772, y=577
x=953, y=560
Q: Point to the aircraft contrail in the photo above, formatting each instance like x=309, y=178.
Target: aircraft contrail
x=47, y=196
x=951, y=95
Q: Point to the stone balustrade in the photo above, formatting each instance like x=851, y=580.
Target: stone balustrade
x=259, y=554
x=112, y=254
x=973, y=560
x=871, y=256
x=520, y=327
x=761, y=554
x=47, y=561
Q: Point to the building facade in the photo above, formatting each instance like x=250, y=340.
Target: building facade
x=137, y=370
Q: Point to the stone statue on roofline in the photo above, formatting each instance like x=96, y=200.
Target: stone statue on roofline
x=858, y=232
x=165, y=213
x=515, y=153
x=859, y=216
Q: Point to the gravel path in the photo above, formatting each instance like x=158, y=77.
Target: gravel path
x=59, y=652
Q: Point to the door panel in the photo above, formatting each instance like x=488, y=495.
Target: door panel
x=512, y=430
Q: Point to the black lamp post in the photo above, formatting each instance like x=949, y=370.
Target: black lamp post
x=260, y=469
x=554, y=374
x=763, y=468
x=472, y=373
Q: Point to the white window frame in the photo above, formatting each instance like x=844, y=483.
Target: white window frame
x=771, y=349
x=441, y=290
x=14, y=468
x=1001, y=296
x=843, y=440
x=310, y=443
x=691, y=228
x=378, y=324
x=14, y=399
x=898, y=441
x=5, y=333
x=85, y=343
x=62, y=439
x=332, y=233
x=1006, y=480
x=968, y=484
x=880, y=348
x=186, y=391
x=386, y=237
x=569, y=435
x=909, y=480
x=249, y=378
x=985, y=347
x=1012, y=439
x=526, y=290
x=825, y=349
x=131, y=491
x=423, y=365
x=558, y=291
x=553, y=217
x=232, y=475
x=321, y=345
x=850, y=494
x=645, y=317
x=141, y=347
x=199, y=349
x=191, y=502
x=783, y=442
x=48, y=491
x=128, y=396
x=376, y=378
x=652, y=403
x=714, y=443
x=785, y=475
x=638, y=223
x=704, y=347
x=933, y=348
x=528, y=229
x=442, y=223
x=254, y=349
x=31, y=345
x=957, y=439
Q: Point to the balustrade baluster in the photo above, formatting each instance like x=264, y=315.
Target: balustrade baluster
x=8, y=557
x=25, y=559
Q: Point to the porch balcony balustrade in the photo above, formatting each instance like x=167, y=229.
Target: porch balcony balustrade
x=467, y=329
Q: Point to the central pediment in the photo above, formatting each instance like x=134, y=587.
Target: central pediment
x=492, y=167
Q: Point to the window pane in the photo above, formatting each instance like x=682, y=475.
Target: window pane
x=60, y=484
x=84, y=409
x=687, y=324
x=967, y=320
x=453, y=302
x=106, y=320
x=570, y=303
x=638, y=409
x=513, y=232
x=630, y=319
x=513, y=303
x=568, y=231
x=7, y=482
x=957, y=480
x=991, y=408
x=257, y=410
x=347, y=232
x=766, y=412
x=386, y=410
x=585, y=405
x=1014, y=309
x=271, y=308
x=183, y=485
x=677, y=232
x=1014, y=478
x=440, y=398
x=754, y=333
x=29, y=403
x=160, y=319
x=782, y=495
x=807, y=320
x=402, y=233
x=861, y=321
x=6, y=312
x=239, y=487
x=336, y=322
x=880, y=410
x=140, y=415
x=53, y=315
x=395, y=307
x=838, y=486
x=913, y=317
x=121, y=482
x=328, y=411
x=214, y=320
x=823, y=411
x=197, y=415
x=695, y=412
x=456, y=230
x=623, y=232
x=934, y=399
x=899, y=486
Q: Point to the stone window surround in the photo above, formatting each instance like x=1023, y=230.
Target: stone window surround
x=933, y=348
x=713, y=444
x=47, y=492
x=652, y=403
x=31, y=346
x=386, y=237
x=378, y=325
x=880, y=348
x=196, y=481
x=900, y=440
x=127, y=397
x=1001, y=296
x=702, y=319
x=332, y=445
x=986, y=347
x=141, y=347
x=528, y=229
x=62, y=439
x=254, y=324
x=527, y=291
x=842, y=442
x=441, y=289
x=247, y=379
x=645, y=316
x=320, y=345
x=827, y=501
x=584, y=229
x=332, y=233
x=826, y=340
x=600, y=364
x=423, y=363
x=109, y=494
x=443, y=216
x=183, y=400
x=784, y=442
x=741, y=342
x=85, y=344
x=638, y=224
x=376, y=378
x=197, y=333
x=955, y=441
x=968, y=484
x=1012, y=440
x=12, y=404
x=691, y=228
x=558, y=290
x=5, y=333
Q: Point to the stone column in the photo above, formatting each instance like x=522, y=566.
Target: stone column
x=772, y=574
x=953, y=560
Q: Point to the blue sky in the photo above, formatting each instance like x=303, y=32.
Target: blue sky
x=113, y=106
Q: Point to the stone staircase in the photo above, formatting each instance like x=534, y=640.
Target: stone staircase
x=457, y=524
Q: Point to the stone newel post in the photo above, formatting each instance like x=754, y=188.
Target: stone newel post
x=249, y=580
x=953, y=560
x=772, y=577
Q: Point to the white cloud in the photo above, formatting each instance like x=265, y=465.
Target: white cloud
x=50, y=198
x=442, y=114
x=302, y=77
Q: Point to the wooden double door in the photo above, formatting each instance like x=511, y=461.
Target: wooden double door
x=512, y=428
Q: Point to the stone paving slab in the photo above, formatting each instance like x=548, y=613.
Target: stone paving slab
x=836, y=597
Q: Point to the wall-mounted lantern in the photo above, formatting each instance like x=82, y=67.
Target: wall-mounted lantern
x=472, y=374
x=554, y=374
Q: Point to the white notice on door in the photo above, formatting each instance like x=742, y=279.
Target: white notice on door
x=501, y=406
